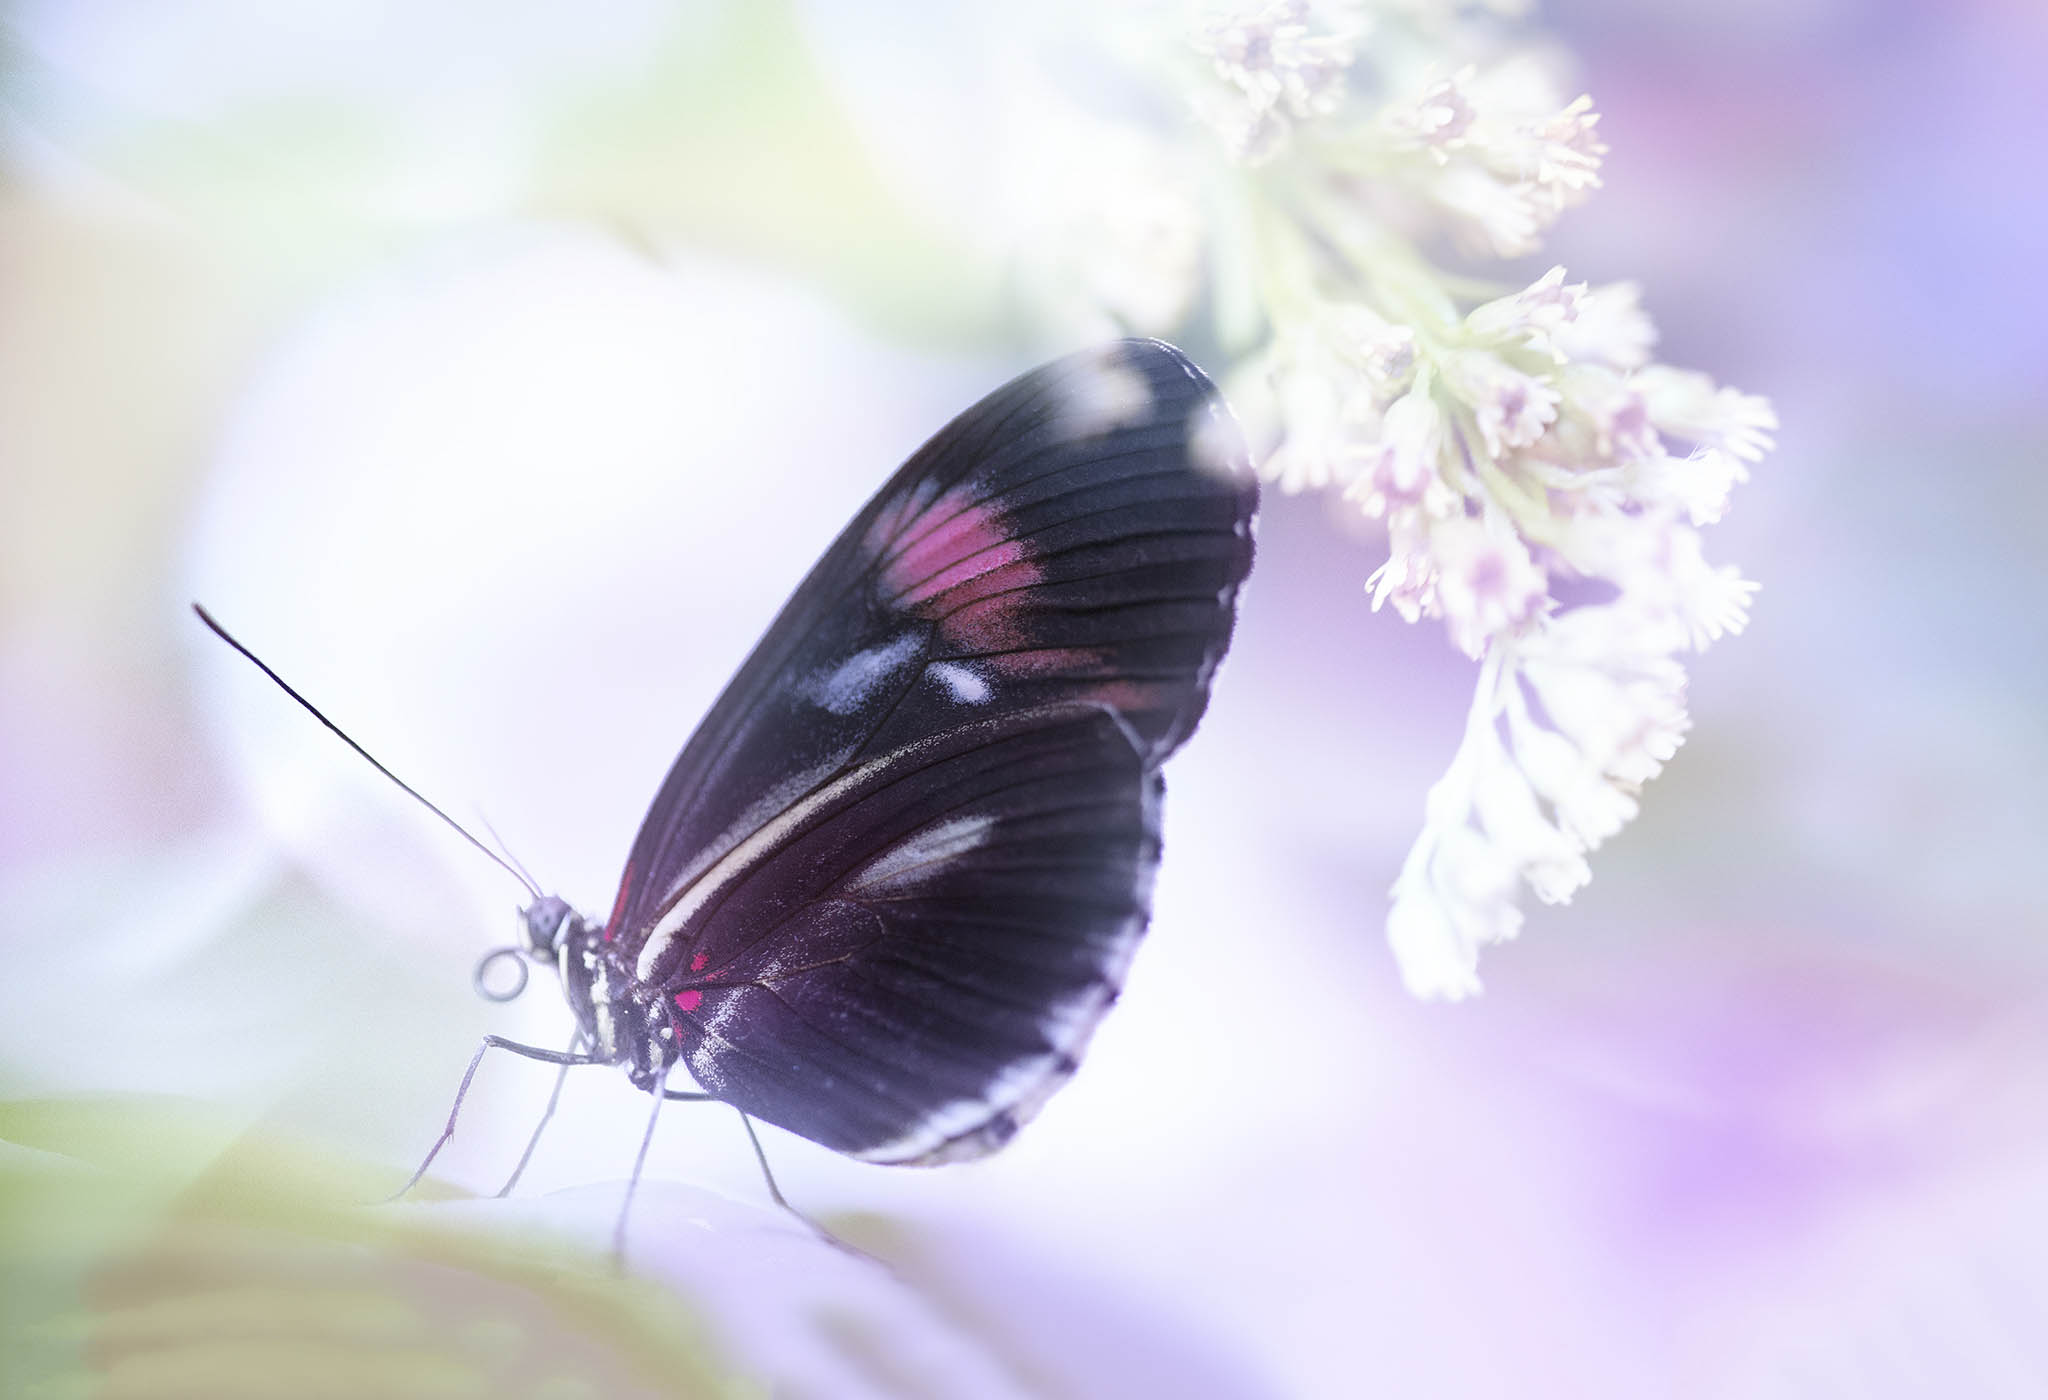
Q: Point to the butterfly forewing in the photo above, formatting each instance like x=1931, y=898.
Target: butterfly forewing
x=1045, y=587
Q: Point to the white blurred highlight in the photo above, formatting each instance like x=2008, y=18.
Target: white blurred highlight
x=510, y=512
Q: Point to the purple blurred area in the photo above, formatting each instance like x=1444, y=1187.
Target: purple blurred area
x=508, y=469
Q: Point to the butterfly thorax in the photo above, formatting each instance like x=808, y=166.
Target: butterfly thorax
x=623, y=1020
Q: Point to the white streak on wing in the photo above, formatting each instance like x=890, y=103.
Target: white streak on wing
x=966, y=685
x=759, y=812
x=904, y=866
x=1013, y=1085
x=758, y=845
x=848, y=686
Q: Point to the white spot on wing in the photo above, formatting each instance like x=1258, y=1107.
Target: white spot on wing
x=1109, y=396
x=847, y=688
x=923, y=855
x=965, y=684
x=1217, y=447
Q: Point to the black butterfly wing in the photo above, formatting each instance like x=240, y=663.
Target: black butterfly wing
x=893, y=880
x=916, y=960
x=1078, y=535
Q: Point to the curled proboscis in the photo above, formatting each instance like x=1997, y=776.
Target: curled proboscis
x=482, y=977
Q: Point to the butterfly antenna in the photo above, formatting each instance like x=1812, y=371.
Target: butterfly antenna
x=506, y=850
x=339, y=733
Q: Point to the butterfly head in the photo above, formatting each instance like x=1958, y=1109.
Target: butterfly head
x=544, y=926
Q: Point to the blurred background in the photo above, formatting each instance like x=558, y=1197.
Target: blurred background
x=494, y=371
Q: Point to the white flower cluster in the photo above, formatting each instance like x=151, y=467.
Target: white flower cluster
x=1520, y=448
x=1527, y=443
x=1273, y=64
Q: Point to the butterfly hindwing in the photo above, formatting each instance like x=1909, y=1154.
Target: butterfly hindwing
x=919, y=957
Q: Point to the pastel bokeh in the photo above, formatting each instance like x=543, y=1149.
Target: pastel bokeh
x=495, y=374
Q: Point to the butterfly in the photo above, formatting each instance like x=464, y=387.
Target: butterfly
x=893, y=881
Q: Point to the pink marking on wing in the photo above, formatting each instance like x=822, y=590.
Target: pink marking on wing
x=969, y=540
x=990, y=625
x=897, y=516
x=1078, y=662
x=972, y=580
x=689, y=1000
x=697, y=962
x=1129, y=697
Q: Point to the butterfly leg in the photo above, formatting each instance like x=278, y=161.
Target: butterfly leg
x=546, y=1115
x=768, y=1176
x=660, y=1096
x=531, y=1052
x=775, y=1193
x=761, y=1157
